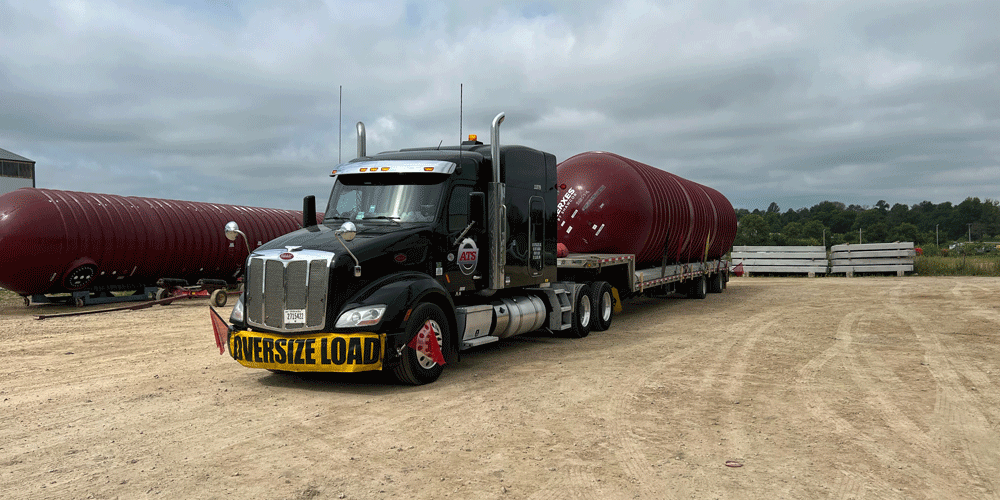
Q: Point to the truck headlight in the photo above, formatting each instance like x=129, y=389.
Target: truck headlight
x=237, y=315
x=361, y=316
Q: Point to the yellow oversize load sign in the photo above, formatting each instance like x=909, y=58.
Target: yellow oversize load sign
x=323, y=352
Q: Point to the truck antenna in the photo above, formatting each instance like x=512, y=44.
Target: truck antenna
x=340, y=127
x=460, y=102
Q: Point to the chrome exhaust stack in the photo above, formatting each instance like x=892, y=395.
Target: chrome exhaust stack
x=361, y=140
x=497, y=213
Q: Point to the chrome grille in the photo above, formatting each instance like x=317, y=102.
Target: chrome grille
x=275, y=286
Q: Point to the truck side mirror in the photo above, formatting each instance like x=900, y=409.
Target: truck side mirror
x=477, y=208
x=309, y=211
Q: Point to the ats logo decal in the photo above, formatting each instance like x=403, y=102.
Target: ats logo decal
x=468, y=256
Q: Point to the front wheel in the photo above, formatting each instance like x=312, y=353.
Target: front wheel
x=416, y=368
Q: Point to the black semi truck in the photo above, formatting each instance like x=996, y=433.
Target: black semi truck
x=427, y=252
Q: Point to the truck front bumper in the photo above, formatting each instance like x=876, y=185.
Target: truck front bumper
x=318, y=352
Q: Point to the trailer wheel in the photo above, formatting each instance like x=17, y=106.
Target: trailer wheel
x=219, y=297
x=603, y=305
x=162, y=293
x=698, y=288
x=582, y=314
x=414, y=367
x=716, y=283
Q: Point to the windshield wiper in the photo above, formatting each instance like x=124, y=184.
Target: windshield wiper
x=384, y=217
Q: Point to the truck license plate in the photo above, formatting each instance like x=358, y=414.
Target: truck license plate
x=295, y=316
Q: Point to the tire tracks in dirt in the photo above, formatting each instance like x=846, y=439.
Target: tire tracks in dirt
x=878, y=389
x=961, y=424
x=728, y=357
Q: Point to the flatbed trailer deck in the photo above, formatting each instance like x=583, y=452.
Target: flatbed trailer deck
x=612, y=267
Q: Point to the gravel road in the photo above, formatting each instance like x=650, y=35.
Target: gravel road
x=878, y=387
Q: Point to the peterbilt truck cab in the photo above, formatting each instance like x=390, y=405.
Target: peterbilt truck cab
x=421, y=253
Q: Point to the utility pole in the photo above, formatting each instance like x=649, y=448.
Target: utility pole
x=859, y=235
x=937, y=237
x=970, y=231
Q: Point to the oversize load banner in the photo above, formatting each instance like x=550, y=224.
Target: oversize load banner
x=325, y=352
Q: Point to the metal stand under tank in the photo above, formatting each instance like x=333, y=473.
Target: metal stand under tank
x=87, y=297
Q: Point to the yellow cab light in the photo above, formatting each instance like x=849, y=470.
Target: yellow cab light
x=333, y=173
x=363, y=169
x=385, y=169
x=428, y=169
x=473, y=137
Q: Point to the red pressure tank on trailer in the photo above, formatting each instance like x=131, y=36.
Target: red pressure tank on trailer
x=611, y=204
x=61, y=241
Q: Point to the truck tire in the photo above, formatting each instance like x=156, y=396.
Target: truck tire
x=583, y=314
x=219, y=297
x=716, y=283
x=698, y=288
x=415, y=368
x=603, y=303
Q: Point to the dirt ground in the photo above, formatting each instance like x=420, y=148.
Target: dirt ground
x=877, y=387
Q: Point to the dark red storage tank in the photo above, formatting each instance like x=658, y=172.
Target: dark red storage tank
x=57, y=241
x=611, y=204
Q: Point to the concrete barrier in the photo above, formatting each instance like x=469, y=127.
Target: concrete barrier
x=810, y=260
x=872, y=258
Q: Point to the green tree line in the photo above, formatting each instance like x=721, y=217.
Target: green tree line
x=833, y=223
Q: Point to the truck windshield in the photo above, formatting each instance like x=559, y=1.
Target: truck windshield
x=386, y=197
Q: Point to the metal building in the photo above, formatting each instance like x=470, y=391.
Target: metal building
x=15, y=172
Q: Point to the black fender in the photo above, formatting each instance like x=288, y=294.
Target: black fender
x=401, y=292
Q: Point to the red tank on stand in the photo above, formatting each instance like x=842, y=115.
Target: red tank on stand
x=62, y=241
x=611, y=204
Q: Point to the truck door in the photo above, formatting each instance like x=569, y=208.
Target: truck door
x=466, y=263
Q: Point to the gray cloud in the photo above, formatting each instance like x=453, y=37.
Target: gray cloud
x=795, y=102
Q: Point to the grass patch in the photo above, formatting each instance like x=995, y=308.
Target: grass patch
x=957, y=266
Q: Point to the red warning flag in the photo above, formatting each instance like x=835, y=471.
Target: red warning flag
x=738, y=270
x=426, y=343
x=221, y=329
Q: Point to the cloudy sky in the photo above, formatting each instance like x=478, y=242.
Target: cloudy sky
x=238, y=102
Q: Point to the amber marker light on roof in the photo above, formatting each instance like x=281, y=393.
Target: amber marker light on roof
x=385, y=169
x=363, y=169
x=333, y=173
x=428, y=169
x=473, y=137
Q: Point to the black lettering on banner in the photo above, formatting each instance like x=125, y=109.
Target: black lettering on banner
x=268, y=350
x=338, y=350
x=354, y=351
x=256, y=350
x=279, y=351
x=324, y=354
x=299, y=347
x=373, y=350
x=310, y=349
x=245, y=347
x=236, y=348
